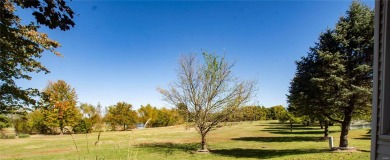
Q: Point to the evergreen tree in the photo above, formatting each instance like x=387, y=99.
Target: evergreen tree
x=335, y=79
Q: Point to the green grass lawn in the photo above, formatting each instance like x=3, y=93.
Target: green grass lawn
x=257, y=140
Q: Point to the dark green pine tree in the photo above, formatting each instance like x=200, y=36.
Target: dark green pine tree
x=335, y=79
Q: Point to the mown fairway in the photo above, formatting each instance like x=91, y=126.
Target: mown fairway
x=257, y=140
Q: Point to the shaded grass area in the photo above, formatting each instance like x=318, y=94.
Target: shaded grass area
x=263, y=153
x=297, y=132
x=364, y=137
x=257, y=140
x=294, y=128
x=278, y=139
x=169, y=147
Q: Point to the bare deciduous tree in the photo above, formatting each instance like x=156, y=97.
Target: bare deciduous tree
x=209, y=90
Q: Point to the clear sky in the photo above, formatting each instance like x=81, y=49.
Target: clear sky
x=123, y=51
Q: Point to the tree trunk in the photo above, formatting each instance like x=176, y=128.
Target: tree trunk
x=291, y=125
x=124, y=127
x=61, y=127
x=322, y=126
x=326, y=130
x=203, y=143
x=345, y=129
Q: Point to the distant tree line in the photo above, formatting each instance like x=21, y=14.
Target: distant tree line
x=59, y=113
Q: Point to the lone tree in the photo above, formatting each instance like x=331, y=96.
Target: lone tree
x=59, y=107
x=209, y=90
x=21, y=46
x=335, y=79
x=121, y=114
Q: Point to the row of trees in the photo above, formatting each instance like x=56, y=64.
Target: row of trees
x=334, y=81
x=58, y=109
x=254, y=113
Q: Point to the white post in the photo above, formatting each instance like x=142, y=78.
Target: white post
x=330, y=142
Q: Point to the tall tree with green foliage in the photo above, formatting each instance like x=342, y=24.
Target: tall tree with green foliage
x=252, y=113
x=36, y=121
x=209, y=90
x=21, y=46
x=91, y=116
x=275, y=112
x=59, y=107
x=121, y=114
x=167, y=117
x=305, y=97
x=147, y=115
x=337, y=80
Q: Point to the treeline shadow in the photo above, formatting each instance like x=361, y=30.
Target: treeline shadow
x=278, y=139
x=169, y=148
x=363, y=150
x=294, y=128
x=263, y=153
x=272, y=124
x=287, y=132
x=364, y=137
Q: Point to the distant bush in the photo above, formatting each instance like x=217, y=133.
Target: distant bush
x=5, y=121
x=81, y=127
x=167, y=117
x=24, y=136
x=7, y=136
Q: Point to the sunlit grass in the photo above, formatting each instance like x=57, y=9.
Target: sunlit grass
x=257, y=140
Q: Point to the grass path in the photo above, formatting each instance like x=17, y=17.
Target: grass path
x=257, y=140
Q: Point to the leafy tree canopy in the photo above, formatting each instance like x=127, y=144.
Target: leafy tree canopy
x=121, y=114
x=21, y=46
x=59, y=108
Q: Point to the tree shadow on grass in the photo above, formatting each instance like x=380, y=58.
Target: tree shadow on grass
x=263, y=153
x=363, y=150
x=278, y=139
x=168, y=148
x=294, y=128
x=364, y=137
x=296, y=132
x=271, y=124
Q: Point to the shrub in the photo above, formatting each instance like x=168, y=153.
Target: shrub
x=81, y=127
x=4, y=121
x=24, y=135
x=7, y=136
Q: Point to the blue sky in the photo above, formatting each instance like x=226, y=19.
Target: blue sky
x=124, y=50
